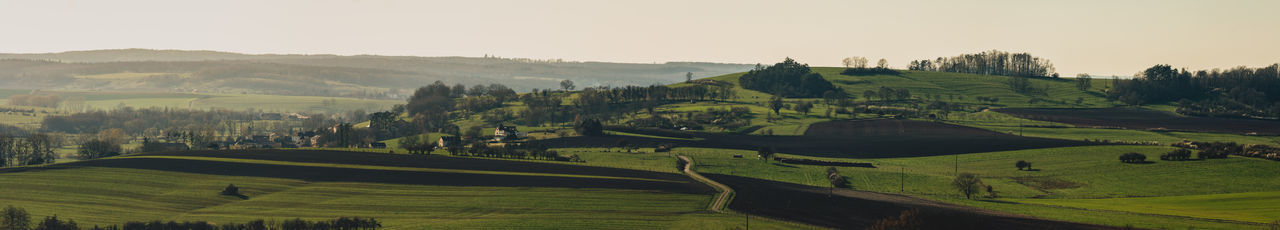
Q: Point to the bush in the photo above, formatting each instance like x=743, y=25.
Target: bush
x=230, y=190
x=1023, y=164
x=1133, y=158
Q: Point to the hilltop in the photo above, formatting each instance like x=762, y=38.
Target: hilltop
x=319, y=75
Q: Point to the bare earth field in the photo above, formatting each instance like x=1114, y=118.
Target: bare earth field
x=849, y=139
x=1147, y=120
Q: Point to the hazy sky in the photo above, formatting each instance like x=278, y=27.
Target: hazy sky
x=1098, y=37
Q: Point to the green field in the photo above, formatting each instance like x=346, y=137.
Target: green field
x=110, y=195
x=1259, y=207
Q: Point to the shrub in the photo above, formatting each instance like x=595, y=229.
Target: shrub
x=1023, y=164
x=1133, y=158
x=230, y=190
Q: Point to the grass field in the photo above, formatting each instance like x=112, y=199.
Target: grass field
x=112, y=191
x=1258, y=207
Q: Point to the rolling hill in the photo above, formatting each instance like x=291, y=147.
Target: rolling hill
x=319, y=75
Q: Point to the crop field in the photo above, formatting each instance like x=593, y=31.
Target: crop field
x=1147, y=119
x=405, y=192
x=832, y=142
x=1060, y=176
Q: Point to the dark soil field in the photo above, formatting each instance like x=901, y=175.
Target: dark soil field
x=1147, y=120
x=854, y=139
x=665, y=181
x=849, y=209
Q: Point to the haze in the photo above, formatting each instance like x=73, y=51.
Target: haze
x=1097, y=37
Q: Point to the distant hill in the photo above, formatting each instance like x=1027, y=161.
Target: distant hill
x=321, y=75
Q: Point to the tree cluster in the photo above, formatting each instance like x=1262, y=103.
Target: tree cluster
x=416, y=146
x=1133, y=158
x=33, y=150
x=869, y=71
x=787, y=78
x=992, y=62
x=98, y=148
x=1236, y=92
x=1176, y=155
x=532, y=151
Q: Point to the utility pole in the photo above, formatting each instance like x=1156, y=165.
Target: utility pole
x=903, y=182
x=957, y=164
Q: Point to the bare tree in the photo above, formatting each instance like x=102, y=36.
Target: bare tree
x=883, y=64
x=967, y=183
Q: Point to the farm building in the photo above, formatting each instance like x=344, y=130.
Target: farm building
x=507, y=133
x=446, y=141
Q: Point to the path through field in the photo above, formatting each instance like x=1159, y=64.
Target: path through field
x=722, y=198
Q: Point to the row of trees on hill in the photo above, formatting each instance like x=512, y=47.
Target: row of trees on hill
x=48, y=101
x=1235, y=92
x=992, y=62
x=33, y=150
x=787, y=79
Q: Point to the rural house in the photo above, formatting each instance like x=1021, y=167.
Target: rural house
x=507, y=133
x=446, y=141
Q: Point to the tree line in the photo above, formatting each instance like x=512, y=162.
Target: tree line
x=16, y=218
x=47, y=101
x=992, y=62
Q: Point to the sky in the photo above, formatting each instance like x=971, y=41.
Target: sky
x=1104, y=37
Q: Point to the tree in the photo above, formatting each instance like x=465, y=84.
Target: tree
x=967, y=183
x=1023, y=164
x=590, y=127
x=1083, y=82
x=804, y=107
x=567, y=85
x=883, y=64
x=13, y=218
x=688, y=77
x=848, y=62
x=764, y=153
x=776, y=104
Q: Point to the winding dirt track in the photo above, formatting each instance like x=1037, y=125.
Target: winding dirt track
x=722, y=198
